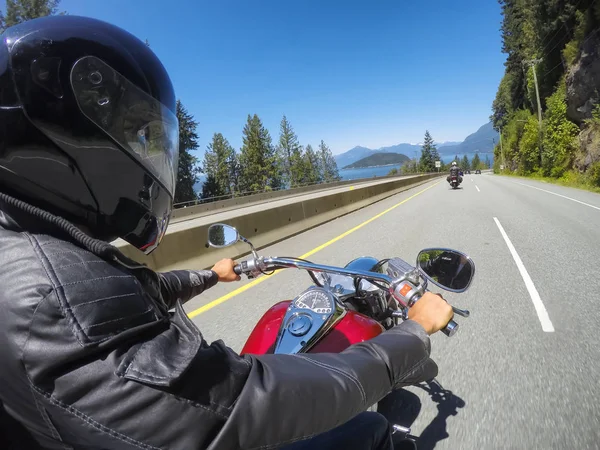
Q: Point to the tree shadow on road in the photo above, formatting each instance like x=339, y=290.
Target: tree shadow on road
x=403, y=407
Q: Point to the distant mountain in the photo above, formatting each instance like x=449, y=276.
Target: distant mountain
x=378, y=159
x=482, y=140
x=357, y=153
x=352, y=155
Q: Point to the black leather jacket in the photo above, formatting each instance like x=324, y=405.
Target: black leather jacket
x=454, y=171
x=91, y=357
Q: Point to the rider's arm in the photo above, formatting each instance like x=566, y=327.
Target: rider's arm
x=185, y=284
x=292, y=397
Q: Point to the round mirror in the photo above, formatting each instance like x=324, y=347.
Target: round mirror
x=449, y=269
x=221, y=235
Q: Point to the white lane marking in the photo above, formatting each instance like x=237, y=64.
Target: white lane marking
x=535, y=296
x=471, y=180
x=558, y=195
x=477, y=188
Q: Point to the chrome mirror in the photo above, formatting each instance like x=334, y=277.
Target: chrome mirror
x=449, y=269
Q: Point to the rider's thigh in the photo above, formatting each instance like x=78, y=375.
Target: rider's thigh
x=368, y=430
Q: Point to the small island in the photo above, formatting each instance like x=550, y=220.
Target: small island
x=379, y=159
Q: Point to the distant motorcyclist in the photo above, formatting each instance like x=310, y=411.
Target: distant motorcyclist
x=454, y=172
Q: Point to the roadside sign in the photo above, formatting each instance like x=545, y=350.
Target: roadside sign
x=438, y=164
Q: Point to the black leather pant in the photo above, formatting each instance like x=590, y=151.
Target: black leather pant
x=367, y=431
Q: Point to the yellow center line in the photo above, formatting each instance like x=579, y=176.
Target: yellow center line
x=244, y=288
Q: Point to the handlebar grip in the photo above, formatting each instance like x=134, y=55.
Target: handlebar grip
x=237, y=269
x=450, y=329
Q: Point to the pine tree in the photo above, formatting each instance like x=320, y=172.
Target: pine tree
x=429, y=154
x=260, y=167
x=211, y=189
x=18, y=11
x=235, y=172
x=290, y=153
x=465, y=164
x=487, y=162
x=217, y=158
x=476, y=163
x=310, y=164
x=187, y=175
x=329, y=169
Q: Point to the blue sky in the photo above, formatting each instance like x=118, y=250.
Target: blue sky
x=370, y=73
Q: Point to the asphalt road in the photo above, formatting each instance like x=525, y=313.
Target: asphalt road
x=513, y=385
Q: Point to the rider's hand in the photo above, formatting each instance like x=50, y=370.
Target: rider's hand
x=224, y=269
x=432, y=312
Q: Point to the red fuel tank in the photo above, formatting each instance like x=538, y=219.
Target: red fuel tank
x=352, y=329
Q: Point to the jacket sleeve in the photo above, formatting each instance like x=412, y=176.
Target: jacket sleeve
x=184, y=285
x=287, y=398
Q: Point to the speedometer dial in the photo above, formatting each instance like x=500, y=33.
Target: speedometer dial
x=315, y=300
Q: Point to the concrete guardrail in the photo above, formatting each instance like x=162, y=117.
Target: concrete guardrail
x=188, y=212
x=185, y=246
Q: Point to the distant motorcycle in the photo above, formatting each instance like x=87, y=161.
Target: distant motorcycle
x=454, y=182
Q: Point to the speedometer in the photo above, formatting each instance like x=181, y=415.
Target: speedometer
x=316, y=300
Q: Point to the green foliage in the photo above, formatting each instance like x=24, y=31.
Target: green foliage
x=465, y=164
x=187, y=174
x=260, y=165
x=429, y=154
x=290, y=153
x=328, y=166
x=593, y=174
x=218, y=159
x=311, y=173
x=394, y=171
x=18, y=11
x=487, y=163
x=529, y=146
x=571, y=50
x=551, y=33
x=559, y=143
x=410, y=167
x=476, y=163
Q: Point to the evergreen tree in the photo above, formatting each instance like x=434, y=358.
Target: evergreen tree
x=487, y=162
x=329, y=169
x=235, y=172
x=217, y=161
x=187, y=175
x=260, y=167
x=429, y=154
x=211, y=188
x=290, y=153
x=311, y=167
x=465, y=164
x=18, y=11
x=476, y=163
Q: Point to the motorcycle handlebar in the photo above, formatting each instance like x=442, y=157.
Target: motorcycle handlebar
x=249, y=266
x=450, y=329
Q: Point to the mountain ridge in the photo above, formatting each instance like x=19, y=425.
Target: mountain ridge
x=379, y=159
x=482, y=140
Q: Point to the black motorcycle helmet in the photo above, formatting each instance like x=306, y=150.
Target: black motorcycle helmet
x=88, y=129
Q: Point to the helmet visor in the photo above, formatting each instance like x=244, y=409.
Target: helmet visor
x=142, y=125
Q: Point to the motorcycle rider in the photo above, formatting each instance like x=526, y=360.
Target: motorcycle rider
x=91, y=355
x=454, y=172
